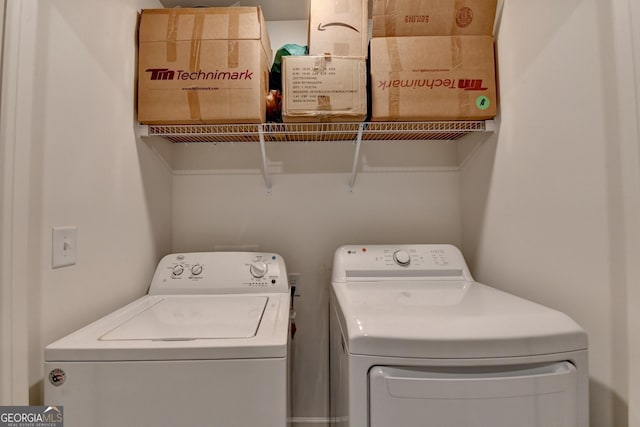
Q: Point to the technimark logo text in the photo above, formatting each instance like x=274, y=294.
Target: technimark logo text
x=168, y=74
x=464, y=84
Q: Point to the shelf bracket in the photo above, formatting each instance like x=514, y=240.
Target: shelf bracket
x=356, y=157
x=265, y=169
x=143, y=130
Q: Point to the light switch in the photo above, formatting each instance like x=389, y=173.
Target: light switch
x=63, y=251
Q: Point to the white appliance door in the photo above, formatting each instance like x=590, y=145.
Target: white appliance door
x=533, y=396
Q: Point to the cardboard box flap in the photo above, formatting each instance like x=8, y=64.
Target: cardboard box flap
x=433, y=17
x=447, y=53
x=219, y=23
x=338, y=27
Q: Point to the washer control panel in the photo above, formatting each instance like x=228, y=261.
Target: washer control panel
x=219, y=273
x=369, y=262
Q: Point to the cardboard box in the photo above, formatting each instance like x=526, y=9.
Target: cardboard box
x=432, y=78
x=393, y=18
x=339, y=27
x=324, y=88
x=203, y=65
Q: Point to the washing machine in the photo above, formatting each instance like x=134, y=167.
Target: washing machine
x=206, y=347
x=415, y=341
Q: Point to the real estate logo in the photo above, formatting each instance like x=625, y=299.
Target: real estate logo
x=31, y=416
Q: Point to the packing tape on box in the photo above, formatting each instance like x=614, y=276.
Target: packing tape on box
x=196, y=42
x=390, y=9
x=233, y=55
x=320, y=63
x=323, y=102
x=194, y=64
x=456, y=63
x=394, y=92
x=456, y=53
x=172, y=36
x=194, y=104
x=194, y=56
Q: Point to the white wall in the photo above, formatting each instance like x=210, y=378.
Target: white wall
x=85, y=168
x=542, y=200
x=6, y=389
x=626, y=18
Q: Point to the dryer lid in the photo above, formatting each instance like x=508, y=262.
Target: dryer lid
x=182, y=319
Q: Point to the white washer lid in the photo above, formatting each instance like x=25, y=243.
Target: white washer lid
x=449, y=319
x=187, y=318
x=183, y=327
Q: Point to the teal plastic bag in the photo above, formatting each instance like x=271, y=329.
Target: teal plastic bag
x=275, y=79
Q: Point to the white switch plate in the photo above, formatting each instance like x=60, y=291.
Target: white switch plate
x=63, y=251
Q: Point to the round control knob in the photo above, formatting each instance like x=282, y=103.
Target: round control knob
x=196, y=270
x=258, y=269
x=402, y=258
x=177, y=270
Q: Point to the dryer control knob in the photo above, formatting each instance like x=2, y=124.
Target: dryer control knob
x=402, y=258
x=258, y=269
x=177, y=270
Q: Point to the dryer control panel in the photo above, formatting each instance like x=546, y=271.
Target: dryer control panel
x=372, y=262
x=220, y=273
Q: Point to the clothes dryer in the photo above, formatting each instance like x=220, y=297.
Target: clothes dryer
x=206, y=347
x=415, y=341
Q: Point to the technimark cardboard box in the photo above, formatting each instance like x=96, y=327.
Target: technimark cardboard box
x=324, y=89
x=202, y=65
x=432, y=78
x=392, y=18
x=338, y=27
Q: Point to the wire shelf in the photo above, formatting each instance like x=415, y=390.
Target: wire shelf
x=318, y=132
x=421, y=131
x=205, y=133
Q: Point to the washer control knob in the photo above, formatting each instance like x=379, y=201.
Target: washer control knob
x=196, y=270
x=258, y=269
x=177, y=270
x=402, y=258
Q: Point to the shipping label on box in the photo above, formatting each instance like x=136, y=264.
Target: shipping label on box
x=324, y=88
x=392, y=18
x=203, y=65
x=453, y=78
x=339, y=27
